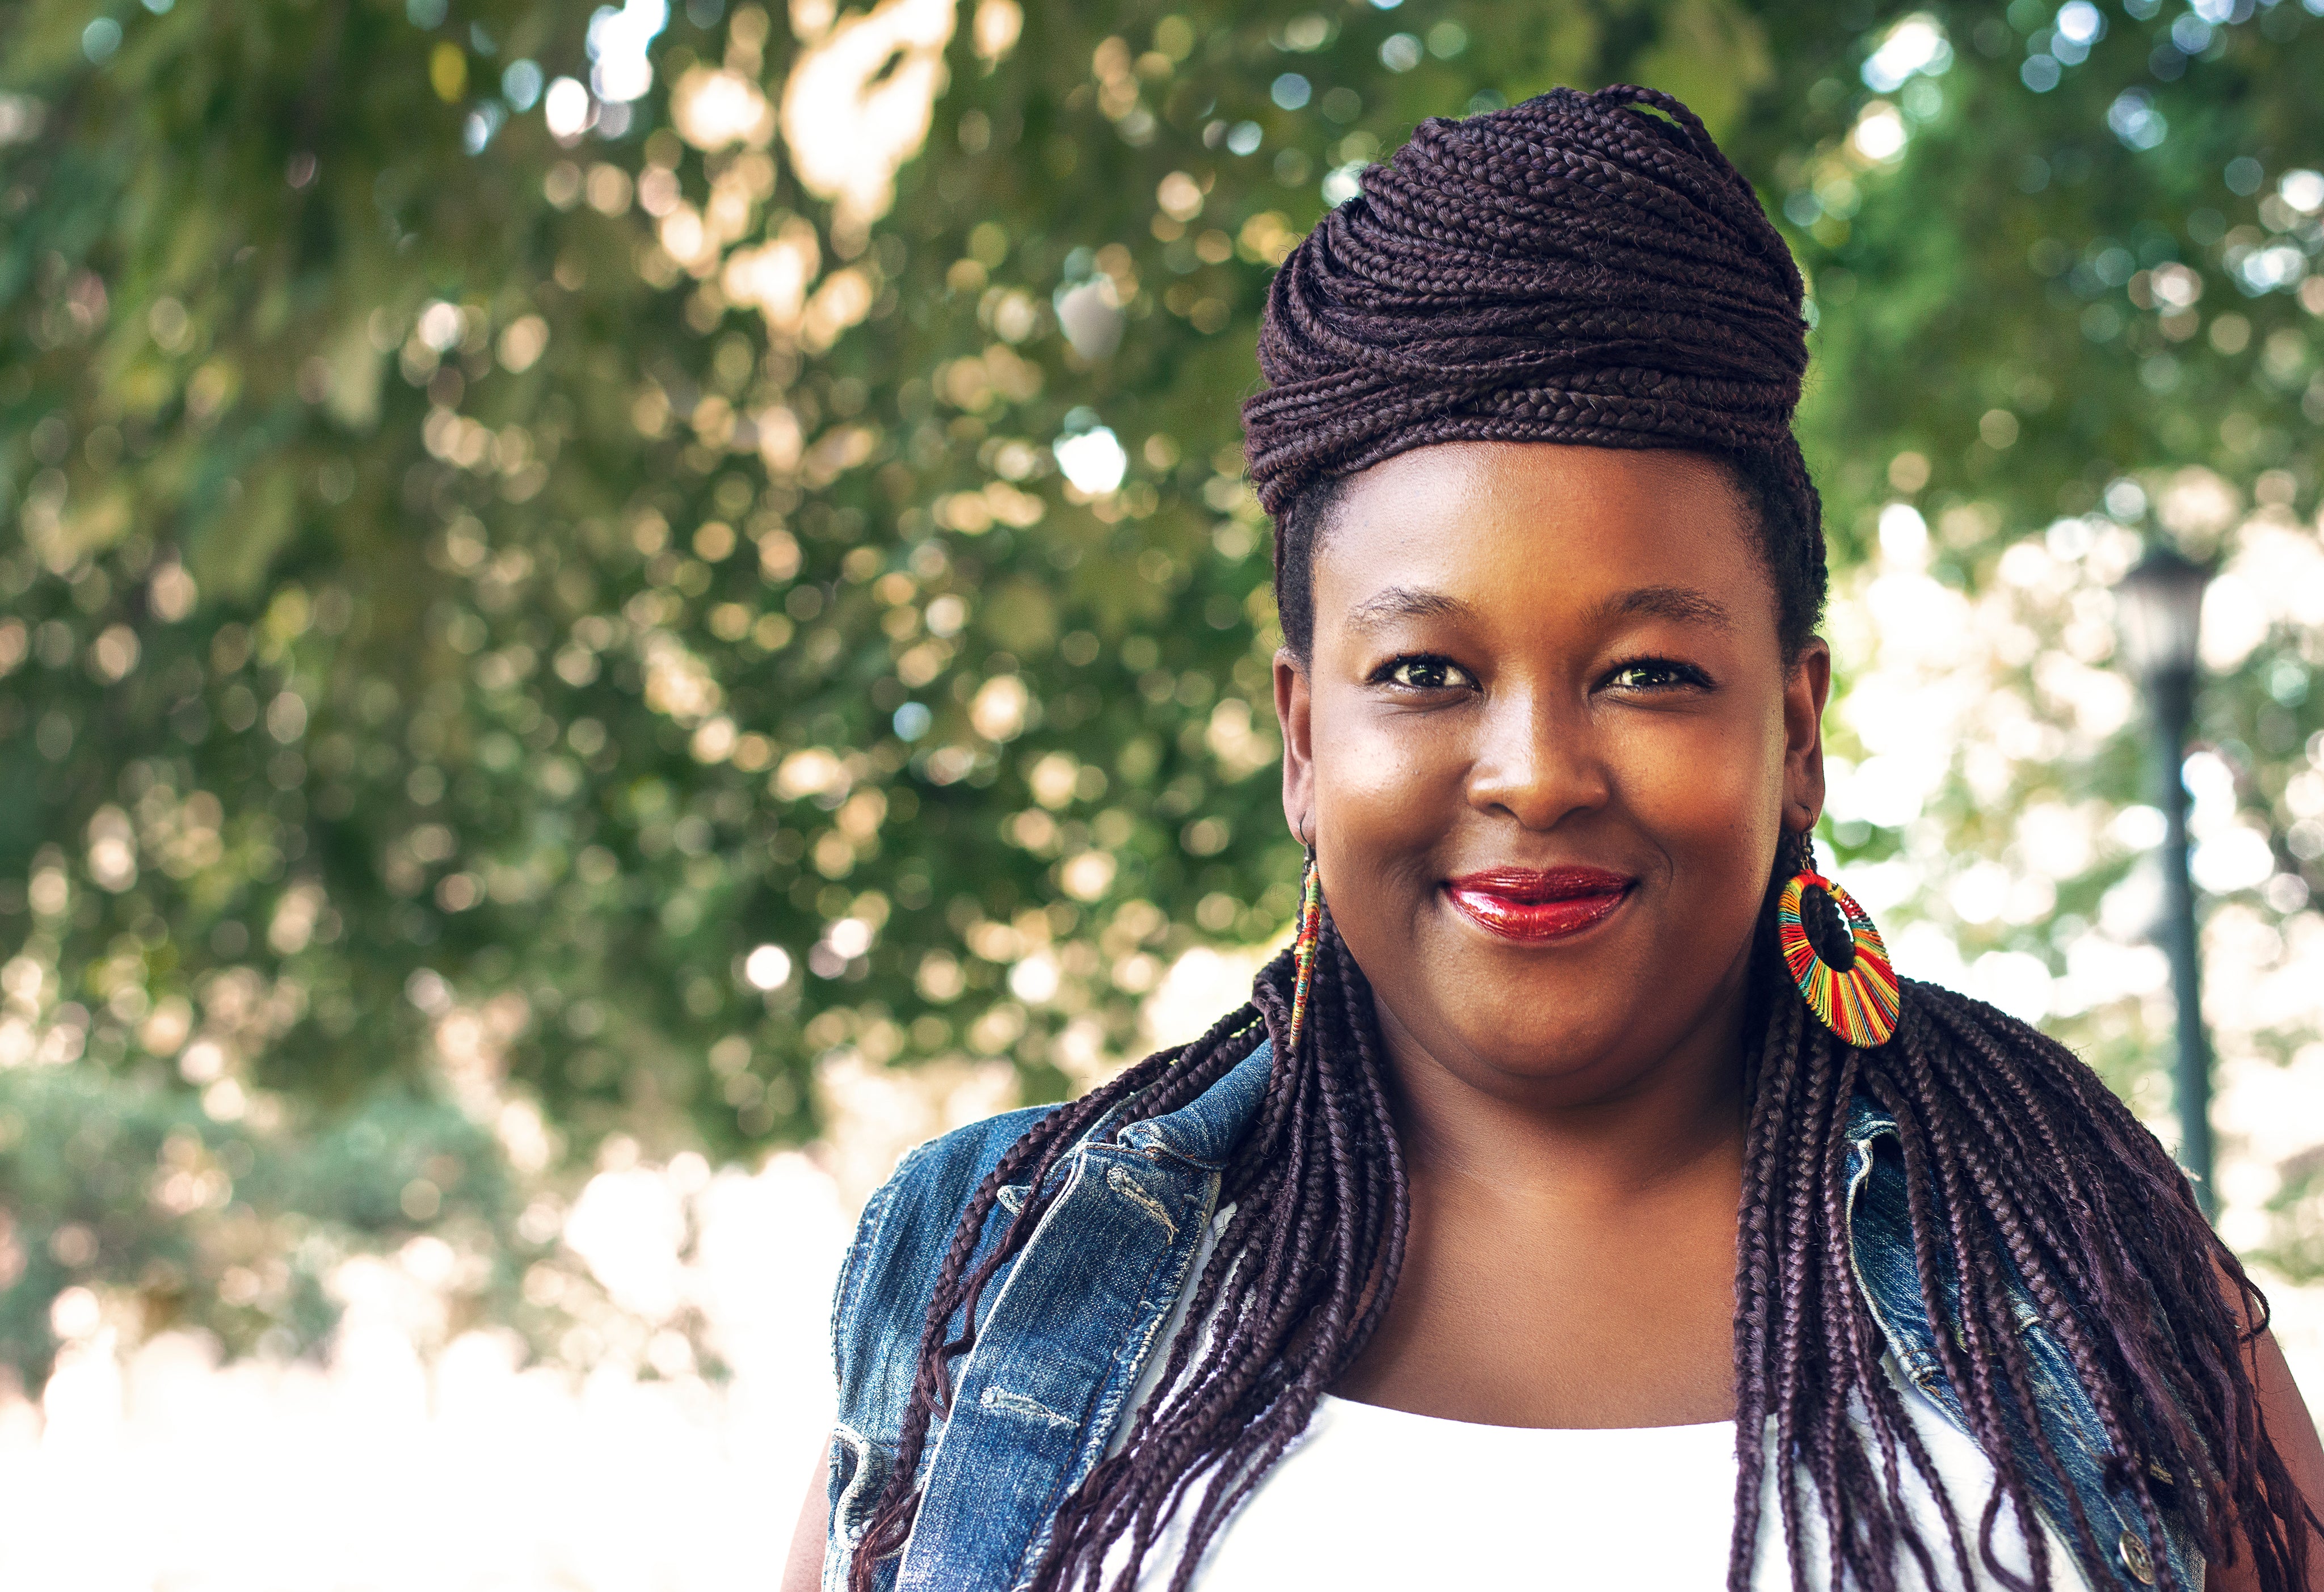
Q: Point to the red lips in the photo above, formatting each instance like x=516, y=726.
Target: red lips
x=1537, y=904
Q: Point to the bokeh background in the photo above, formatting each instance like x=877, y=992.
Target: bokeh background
x=607, y=617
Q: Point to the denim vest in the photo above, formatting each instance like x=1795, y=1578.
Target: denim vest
x=1066, y=1328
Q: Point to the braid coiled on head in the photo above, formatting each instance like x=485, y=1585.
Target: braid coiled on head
x=1575, y=269
x=1574, y=239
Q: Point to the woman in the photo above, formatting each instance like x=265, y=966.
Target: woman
x=1580, y=1201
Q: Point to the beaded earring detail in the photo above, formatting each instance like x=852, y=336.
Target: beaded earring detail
x=1302, y=947
x=1836, y=957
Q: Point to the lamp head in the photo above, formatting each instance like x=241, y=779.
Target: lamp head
x=2161, y=605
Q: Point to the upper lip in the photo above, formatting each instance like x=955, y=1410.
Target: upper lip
x=1542, y=884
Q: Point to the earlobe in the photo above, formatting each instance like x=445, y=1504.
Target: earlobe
x=1807, y=788
x=1803, y=807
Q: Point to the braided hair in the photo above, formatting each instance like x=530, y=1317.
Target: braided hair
x=1590, y=268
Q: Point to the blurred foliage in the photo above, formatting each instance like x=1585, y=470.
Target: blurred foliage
x=2297, y=1246
x=494, y=603
x=140, y=1198
x=2115, y=325
x=515, y=595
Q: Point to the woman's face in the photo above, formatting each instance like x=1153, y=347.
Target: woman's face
x=1545, y=745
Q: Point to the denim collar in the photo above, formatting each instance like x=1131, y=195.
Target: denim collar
x=1205, y=1131
x=1866, y=1121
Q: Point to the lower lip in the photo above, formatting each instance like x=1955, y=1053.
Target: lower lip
x=1532, y=921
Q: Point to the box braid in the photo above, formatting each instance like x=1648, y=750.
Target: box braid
x=1590, y=269
x=1319, y=1176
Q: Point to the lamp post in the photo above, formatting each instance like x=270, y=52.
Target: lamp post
x=2160, y=604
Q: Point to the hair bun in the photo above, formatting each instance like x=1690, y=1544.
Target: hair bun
x=1573, y=268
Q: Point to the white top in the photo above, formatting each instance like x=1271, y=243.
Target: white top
x=1376, y=1498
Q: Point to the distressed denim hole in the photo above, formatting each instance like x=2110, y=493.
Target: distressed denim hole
x=1132, y=1190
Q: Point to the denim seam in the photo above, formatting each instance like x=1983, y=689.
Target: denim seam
x=845, y=1304
x=860, y=1446
x=869, y=1227
x=837, y=1532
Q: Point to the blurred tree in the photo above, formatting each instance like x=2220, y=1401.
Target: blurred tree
x=601, y=563
x=2111, y=335
x=476, y=537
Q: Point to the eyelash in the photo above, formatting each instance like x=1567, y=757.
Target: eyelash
x=1386, y=674
x=1681, y=674
x=1685, y=673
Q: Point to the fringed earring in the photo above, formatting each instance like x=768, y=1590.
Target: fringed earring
x=1303, y=948
x=1836, y=956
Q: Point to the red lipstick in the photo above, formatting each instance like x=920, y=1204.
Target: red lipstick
x=1538, y=904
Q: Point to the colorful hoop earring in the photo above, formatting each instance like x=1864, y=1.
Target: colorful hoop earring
x=1302, y=947
x=1837, y=959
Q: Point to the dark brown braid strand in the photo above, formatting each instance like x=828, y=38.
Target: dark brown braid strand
x=1307, y=1263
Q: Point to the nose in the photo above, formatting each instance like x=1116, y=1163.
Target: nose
x=1537, y=759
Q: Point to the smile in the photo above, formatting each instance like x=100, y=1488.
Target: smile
x=1532, y=905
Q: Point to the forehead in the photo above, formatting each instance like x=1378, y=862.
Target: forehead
x=1535, y=529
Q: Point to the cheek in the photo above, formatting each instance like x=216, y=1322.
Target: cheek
x=1710, y=790
x=1391, y=780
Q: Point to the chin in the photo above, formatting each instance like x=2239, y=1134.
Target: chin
x=1536, y=1051
x=1541, y=1028
x=1525, y=1013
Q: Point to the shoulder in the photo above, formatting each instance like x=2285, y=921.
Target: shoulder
x=890, y=1274
x=912, y=1215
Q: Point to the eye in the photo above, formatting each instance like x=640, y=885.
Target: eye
x=1655, y=674
x=1425, y=672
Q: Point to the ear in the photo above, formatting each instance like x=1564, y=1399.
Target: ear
x=1294, y=707
x=1804, y=694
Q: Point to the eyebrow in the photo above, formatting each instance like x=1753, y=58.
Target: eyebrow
x=1395, y=602
x=1682, y=604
